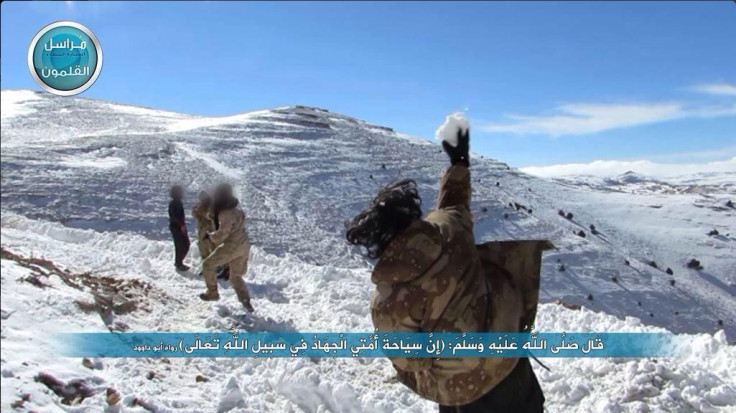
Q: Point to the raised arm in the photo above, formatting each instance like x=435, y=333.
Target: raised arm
x=455, y=188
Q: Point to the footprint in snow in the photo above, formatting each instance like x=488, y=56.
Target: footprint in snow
x=254, y=322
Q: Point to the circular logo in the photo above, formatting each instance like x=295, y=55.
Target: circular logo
x=65, y=58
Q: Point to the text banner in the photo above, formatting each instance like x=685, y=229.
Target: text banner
x=381, y=344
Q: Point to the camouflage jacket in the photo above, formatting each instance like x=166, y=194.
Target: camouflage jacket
x=205, y=223
x=433, y=278
x=231, y=228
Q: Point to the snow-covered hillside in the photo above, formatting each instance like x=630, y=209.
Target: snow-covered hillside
x=632, y=182
x=85, y=183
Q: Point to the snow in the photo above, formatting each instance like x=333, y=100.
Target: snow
x=16, y=103
x=448, y=131
x=203, y=122
x=632, y=182
x=291, y=295
x=607, y=168
x=209, y=161
x=300, y=172
x=108, y=162
x=140, y=111
x=231, y=396
x=40, y=119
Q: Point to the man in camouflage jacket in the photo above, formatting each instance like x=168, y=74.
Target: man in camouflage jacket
x=431, y=277
x=232, y=247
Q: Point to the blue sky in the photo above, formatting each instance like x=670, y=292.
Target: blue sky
x=542, y=83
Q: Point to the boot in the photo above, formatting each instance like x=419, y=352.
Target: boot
x=182, y=268
x=247, y=306
x=210, y=295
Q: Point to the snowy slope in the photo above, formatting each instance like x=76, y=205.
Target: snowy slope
x=84, y=184
x=291, y=295
x=632, y=182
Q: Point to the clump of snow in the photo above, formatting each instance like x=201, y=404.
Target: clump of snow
x=230, y=397
x=448, y=131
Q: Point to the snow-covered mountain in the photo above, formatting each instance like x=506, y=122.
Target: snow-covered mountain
x=632, y=182
x=85, y=185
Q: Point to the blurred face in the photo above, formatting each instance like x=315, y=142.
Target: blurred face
x=221, y=194
x=177, y=193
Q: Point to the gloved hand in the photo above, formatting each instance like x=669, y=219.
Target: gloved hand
x=459, y=153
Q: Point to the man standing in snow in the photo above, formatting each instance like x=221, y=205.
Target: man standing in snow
x=178, y=227
x=431, y=277
x=232, y=247
x=203, y=214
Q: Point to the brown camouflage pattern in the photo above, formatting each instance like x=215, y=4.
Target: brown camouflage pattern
x=232, y=248
x=205, y=224
x=433, y=278
x=232, y=227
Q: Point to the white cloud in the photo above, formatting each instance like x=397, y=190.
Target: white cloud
x=696, y=156
x=582, y=119
x=716, y=89
x=609, y=168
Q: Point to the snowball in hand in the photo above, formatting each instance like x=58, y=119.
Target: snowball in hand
x=448, y=131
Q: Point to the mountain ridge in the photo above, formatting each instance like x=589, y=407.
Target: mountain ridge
x=301, y=172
